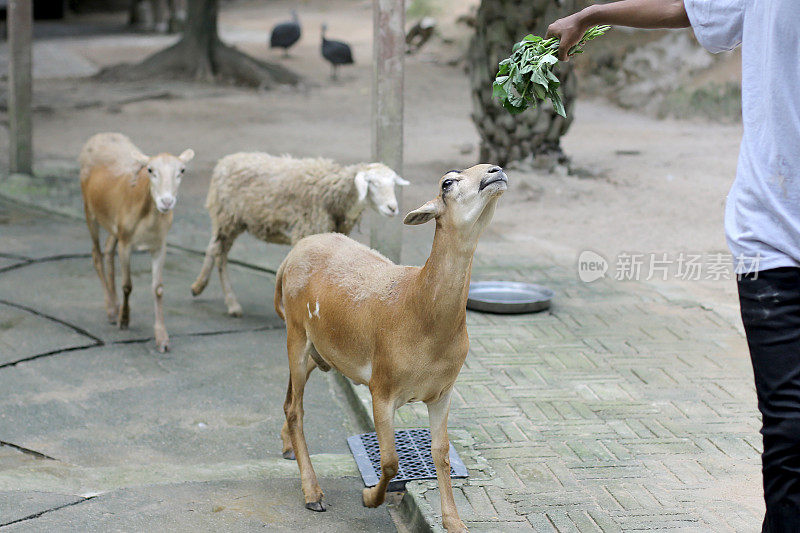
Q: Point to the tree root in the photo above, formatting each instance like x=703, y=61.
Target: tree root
x=221, y=63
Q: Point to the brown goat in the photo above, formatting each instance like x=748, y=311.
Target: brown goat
x=400, y=330
x=131, y=196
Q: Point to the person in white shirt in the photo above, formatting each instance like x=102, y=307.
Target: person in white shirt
x=762, y=213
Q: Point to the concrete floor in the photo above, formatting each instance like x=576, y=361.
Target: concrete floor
x=100, y=432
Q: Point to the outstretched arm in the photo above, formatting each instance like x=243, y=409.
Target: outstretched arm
x=634, y=13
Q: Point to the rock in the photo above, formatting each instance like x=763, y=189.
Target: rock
x=657, y=68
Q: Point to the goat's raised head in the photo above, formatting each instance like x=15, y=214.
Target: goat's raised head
x=165, y=172
x=466, y=200
x=377, y=182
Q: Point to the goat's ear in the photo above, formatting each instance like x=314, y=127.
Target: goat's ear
x=422, y=214
x=362, y=185
x=140, y=158
x=141, y=162
x=186, y=156
x=400, y=181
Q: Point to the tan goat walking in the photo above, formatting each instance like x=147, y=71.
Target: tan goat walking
x=400, y=330
x=131, y=196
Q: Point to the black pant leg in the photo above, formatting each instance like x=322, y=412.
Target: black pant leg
x=770, y=306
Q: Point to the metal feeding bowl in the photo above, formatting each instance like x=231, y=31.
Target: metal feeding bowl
x=508, y=297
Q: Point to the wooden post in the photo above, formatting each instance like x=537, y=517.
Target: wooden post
x=388, y=50
x=20, y=85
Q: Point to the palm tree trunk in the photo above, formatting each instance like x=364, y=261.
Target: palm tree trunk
x=506, y=137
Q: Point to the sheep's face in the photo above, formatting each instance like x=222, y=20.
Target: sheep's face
x=466, y=200
x=165, y=172
x=377, y=183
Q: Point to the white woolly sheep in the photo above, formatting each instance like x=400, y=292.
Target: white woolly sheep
x=281, y=199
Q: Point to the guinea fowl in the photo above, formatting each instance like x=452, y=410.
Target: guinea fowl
x=335, y=52
x=419, y=34
x=285, y=34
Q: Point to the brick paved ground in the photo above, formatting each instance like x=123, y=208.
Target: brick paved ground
x=620, y=409
x=99, y=432
x=617, y=410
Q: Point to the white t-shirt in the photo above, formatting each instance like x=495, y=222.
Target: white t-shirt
x=762, y=214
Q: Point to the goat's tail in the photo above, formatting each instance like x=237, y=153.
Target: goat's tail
x=85, y=162
x=279, y=291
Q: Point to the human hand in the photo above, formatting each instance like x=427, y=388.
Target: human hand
x=569, y=30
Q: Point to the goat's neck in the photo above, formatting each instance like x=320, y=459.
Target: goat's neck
x=354, y=206
x=349, y=212
x=444, y=280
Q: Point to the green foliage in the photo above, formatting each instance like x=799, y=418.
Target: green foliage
x=421, y=8
x=527, y=75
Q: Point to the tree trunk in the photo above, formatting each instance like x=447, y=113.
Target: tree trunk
x=506, y=137
x=133, y=13
x=200, y=38
x=202, y=56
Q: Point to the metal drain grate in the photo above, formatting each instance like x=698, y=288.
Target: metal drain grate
x=414, y=449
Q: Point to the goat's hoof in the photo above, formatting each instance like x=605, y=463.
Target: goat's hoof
x=162, y=347
x=289, y=454
x=122, y=325
x=369, y=500
x=456, y=528
x=316, y=506
x=235, y=310
x=196, y=290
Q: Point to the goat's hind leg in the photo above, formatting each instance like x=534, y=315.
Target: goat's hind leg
x=383, y=414
x=298, y=346
x=97, y=259
x=112, y=307
x=287, y=451
x=212, y=250
x=234, y=309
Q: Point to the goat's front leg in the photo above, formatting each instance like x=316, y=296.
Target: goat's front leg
x=162, y=339
x=383, y=415
x=440, y=450
x=127, y=285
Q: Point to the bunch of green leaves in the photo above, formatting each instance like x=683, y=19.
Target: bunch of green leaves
x=527, y=76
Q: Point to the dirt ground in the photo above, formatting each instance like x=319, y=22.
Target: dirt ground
x=642, y=184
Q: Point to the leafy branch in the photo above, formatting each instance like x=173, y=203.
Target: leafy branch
x=527, y=75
